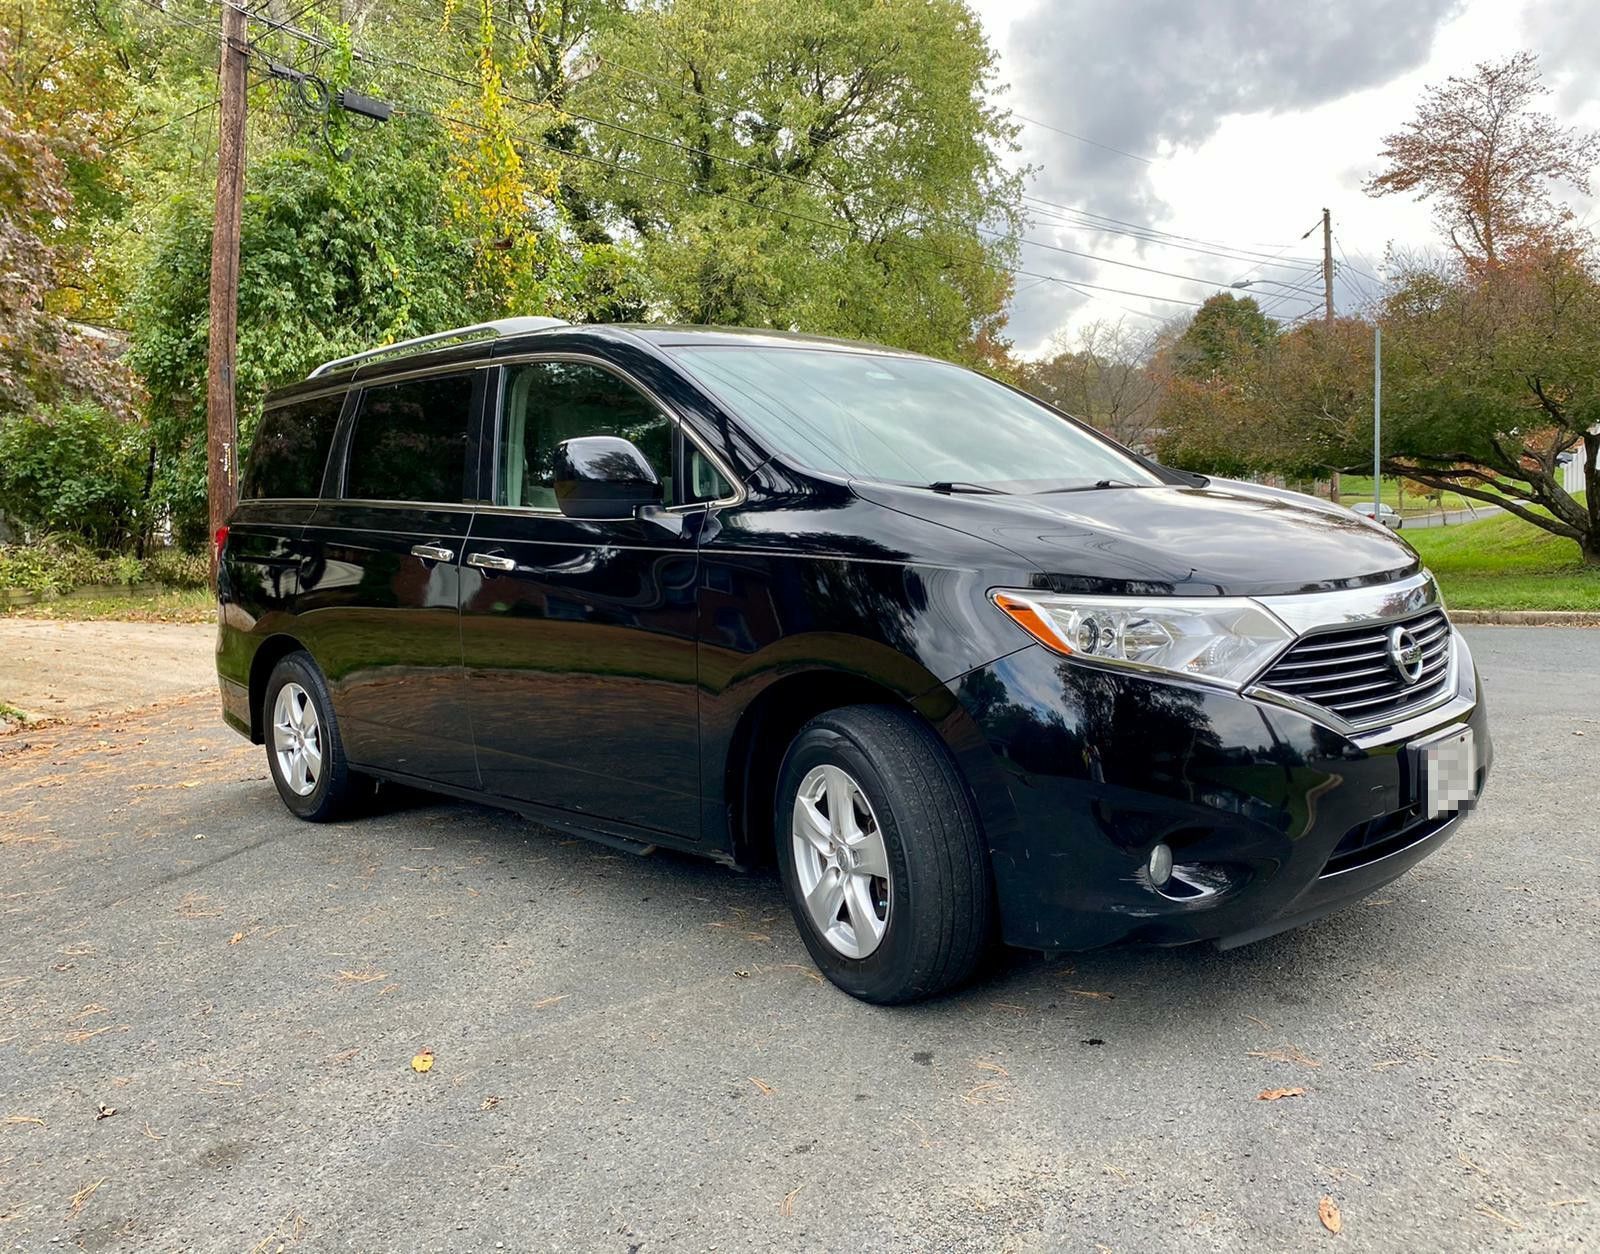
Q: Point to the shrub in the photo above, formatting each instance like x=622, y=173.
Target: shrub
x=173, y=568
x=58, y=564
x=75, y=468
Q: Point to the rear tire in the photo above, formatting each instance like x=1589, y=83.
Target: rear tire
x=305, y=751
x=894, y=902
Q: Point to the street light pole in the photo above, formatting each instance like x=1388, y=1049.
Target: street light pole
x=1377, y=422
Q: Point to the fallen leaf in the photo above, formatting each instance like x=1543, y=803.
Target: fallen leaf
x=489, y=1103
x=152, y=1133
x=423, y=1061
x=105, y=1112
x=1328, y=1212
x=14, y=1119
x=235, y=938
x=1272, y=1095
x=786, y=1207
x=766, y=1089
x=1085, y=992
x=550, y=1001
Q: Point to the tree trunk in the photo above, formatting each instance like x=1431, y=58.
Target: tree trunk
x=1333, y=487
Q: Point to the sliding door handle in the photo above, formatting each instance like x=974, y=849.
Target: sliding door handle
x=491, y=561
x=432, y=552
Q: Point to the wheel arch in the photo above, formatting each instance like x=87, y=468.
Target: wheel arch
x=268, y=654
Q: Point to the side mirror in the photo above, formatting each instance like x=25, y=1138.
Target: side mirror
x=603, y=476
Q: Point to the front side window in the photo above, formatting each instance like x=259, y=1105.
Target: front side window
x=546, y=402
x=904, y=420
x=410, y=441
x=290, y=450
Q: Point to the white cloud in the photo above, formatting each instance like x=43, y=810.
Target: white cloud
x=1258, y=115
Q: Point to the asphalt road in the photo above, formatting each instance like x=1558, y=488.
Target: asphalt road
x=1450, y=517
x=633, y=1054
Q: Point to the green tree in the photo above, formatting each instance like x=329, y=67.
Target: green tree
x=1212, y=415
x=334, y=257
x=1489, y=376
x=816, y=165
x=73, y=467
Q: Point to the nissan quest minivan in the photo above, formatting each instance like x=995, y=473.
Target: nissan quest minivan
x=963, y=668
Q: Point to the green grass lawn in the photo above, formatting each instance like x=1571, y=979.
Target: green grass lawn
x=1503, y=563
x=169, y=605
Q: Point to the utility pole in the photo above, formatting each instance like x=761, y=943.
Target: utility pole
x=222, y=421
x=1327, y=316
x=1327, y=267
x=1377, y=420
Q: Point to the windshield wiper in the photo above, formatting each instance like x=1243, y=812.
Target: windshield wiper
x=948, y=486
x=1090, y=487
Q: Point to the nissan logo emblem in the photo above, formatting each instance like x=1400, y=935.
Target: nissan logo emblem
x=1406, y=654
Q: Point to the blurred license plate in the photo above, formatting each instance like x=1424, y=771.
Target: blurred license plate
x=1448, y=771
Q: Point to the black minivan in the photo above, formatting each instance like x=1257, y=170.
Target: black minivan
x=962, y=667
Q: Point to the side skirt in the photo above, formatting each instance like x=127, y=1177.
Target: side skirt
x=606, y=832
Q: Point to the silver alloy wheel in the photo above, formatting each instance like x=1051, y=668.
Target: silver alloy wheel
x=297, y=739
x=841, y=861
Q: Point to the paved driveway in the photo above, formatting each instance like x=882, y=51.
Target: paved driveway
x=52, y=669
x=633, y=1054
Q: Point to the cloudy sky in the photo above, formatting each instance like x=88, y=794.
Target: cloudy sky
x=1250, y=116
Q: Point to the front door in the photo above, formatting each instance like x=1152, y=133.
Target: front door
x=379, y=607
x=578, y=636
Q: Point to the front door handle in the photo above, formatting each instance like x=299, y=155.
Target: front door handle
x=490, y=561
x=432, y=552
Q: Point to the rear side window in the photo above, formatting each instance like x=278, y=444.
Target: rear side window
x=410, y=441
x=291, y=450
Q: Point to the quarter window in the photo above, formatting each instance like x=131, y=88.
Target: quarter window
x=291, y=449
x=546, y=402
x=410, y=441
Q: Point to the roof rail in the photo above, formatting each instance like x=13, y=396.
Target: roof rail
x=495, y=329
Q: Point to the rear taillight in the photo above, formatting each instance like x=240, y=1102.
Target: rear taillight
x=222, y=539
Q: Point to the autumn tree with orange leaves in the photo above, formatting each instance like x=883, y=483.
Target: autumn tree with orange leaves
x=1489, y=161
x=1492, y=356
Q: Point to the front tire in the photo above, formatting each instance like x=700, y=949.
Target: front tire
x=305, y=752
x=881, y=856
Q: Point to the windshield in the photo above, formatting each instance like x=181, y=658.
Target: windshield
x=905, y=420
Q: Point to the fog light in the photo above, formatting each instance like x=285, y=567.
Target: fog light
x=1160, y=865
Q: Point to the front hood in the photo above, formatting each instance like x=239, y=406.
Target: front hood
x=1176, y=541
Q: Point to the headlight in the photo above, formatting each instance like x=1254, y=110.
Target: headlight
x=1221, y=640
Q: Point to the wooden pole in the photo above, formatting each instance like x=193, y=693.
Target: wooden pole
x=222, y=422
x=1327, y=315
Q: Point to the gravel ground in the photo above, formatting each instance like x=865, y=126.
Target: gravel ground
x=634, y=1054
x=57, y=670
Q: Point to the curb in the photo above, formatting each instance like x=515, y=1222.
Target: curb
x=1525, y=618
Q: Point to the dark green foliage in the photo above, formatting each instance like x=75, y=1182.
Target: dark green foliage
x=72, y=468
x=332, y=259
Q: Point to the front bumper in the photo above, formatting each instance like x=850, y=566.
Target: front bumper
x=1274, y=816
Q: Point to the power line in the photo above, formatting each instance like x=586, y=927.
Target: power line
x=1053, y=218
x=1244, y=253
x=1083, y=139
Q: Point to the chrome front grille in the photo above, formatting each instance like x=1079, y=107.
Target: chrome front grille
x=1352, y=671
